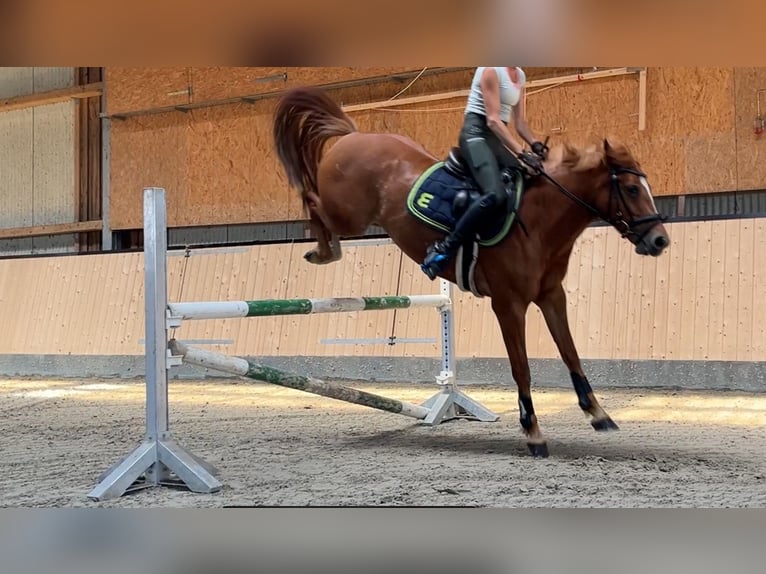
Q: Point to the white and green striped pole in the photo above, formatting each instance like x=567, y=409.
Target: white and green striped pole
x=250, y=370
x=273, y=307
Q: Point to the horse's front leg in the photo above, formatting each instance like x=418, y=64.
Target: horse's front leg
x=511, y=316
x=553, y=304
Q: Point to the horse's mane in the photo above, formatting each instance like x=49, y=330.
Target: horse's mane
x=585, y=158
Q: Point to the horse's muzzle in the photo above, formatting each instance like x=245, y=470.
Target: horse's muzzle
x=653, y=243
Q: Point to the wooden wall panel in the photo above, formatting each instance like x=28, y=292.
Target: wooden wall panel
x=661, y=298
x=759, y=290
x=718, y=291
x=220, y=167
x=475, y=331
x=663, y=159
x=688, y=279
x=630, y=310
x=146, y=154
x=703, y=300
x=433, y=125
x=703, y=101
x=710, y=162
x=745, y=290
x=581, y=271
x=129, y=89
x=544, y=116
x=599, y=106
x=702, y=290
x=730, y=234
x=647, y=284
x=659, y=148
x=709, y=130
x=86, y=305
x=751, y=149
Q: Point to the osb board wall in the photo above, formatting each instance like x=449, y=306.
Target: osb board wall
x=131, y=89
x=219, y=167
x=213, y=166
x=702, y=300
x=218, y=164
x=751, y=151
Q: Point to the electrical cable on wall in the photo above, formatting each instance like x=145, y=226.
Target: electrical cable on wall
x=451, y=109
x=408, y=86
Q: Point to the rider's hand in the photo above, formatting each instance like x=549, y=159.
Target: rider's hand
x=532, y=160
x=540, y=149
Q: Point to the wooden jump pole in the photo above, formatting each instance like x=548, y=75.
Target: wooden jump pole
x=271, y=307
x=250, y=370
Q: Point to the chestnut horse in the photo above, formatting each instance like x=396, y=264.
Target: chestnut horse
x=364, y=179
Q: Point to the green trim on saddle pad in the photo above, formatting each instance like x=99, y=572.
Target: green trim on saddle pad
x=413, y=209
x=414, y=193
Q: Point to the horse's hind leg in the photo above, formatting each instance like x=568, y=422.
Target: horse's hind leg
x=328, y=245
x=328, y=248
x=554, y=307
x=512, y=318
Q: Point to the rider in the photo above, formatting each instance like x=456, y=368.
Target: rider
x=497, y=95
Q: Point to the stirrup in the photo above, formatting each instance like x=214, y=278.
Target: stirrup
x=432, y=269
x=435, y=260
x=436, y=247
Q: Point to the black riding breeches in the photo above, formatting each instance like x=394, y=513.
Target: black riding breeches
x=485, y=155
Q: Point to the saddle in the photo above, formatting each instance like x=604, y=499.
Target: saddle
x=456, y=165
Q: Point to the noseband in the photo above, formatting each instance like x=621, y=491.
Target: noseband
x=627, y=228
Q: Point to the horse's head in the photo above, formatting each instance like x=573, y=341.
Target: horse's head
x=629, y=206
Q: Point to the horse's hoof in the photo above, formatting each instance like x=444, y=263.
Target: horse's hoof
x=606, y=424
x=538, y=450
x=312, y=257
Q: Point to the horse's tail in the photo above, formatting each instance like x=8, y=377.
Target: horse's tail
x=304, y=120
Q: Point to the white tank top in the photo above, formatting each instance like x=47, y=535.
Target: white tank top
x=510, y=93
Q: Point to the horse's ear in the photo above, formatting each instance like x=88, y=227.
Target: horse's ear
x=569, y=154
x=607, y=147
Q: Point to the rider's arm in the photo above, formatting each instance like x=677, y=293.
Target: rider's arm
x=520, y=120
x=490, y=91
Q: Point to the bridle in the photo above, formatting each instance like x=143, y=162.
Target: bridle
x=624, y=220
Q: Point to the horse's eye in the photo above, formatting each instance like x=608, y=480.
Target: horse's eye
x=633, y=190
